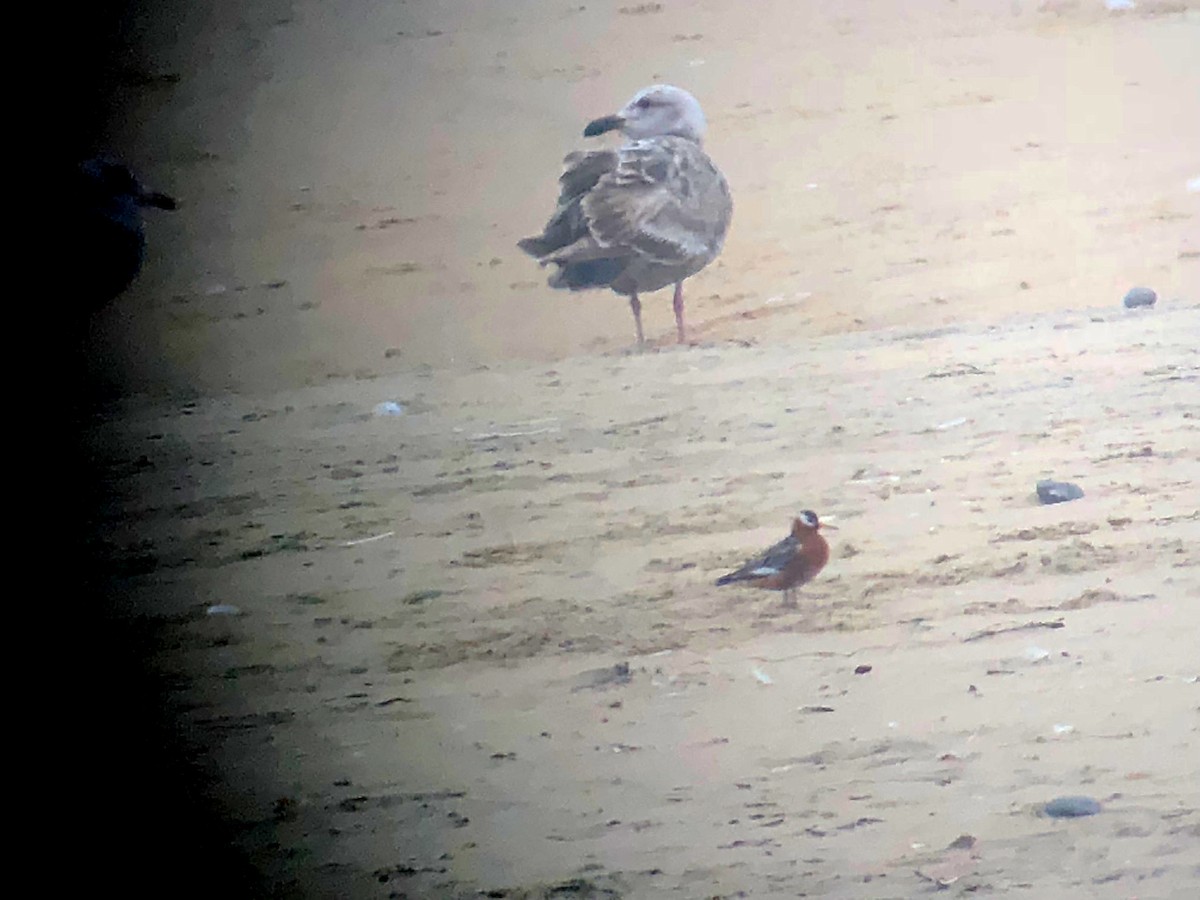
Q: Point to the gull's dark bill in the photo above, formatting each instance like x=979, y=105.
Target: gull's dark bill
x=603, y=124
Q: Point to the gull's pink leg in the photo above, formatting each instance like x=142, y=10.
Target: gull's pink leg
x=636, y=305
x=679, y=310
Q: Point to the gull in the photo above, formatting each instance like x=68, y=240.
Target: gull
x=647, y=214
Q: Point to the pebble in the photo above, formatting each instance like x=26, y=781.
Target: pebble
x=598, y=679
x=389, y=408
x=1140, y=296
x=1071, y=807
x=761, y=676
x=1051, y=491
x=1036, y=654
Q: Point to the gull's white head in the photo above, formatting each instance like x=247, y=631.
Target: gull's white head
x=656, y=111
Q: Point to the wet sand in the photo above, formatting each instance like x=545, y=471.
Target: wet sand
x=938, y=208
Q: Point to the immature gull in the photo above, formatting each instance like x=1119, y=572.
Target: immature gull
x=110, y=240
x=643, y=216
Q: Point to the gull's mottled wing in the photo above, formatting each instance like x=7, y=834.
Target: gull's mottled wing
x=664, y=201
x=568, y=225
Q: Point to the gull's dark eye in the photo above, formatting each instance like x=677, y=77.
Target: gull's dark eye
x=643, y=103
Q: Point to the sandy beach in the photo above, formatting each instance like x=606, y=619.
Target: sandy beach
x=422, y=554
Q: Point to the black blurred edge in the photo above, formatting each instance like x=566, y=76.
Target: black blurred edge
x=111, y=792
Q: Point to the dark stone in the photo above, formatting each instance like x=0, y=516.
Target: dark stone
x=1071, y=807
x=1050, y=491
x=1140, y=296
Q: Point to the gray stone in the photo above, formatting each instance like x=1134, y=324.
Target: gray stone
x=1140, y=296
x=1071, y=807
x=1050, y=491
